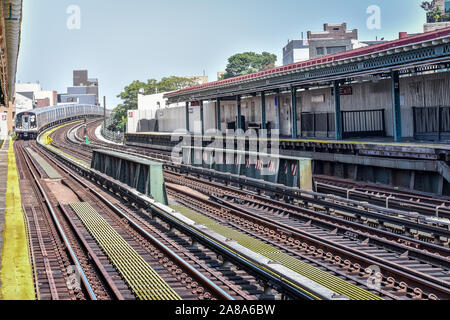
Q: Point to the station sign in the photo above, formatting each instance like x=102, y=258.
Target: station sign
x=3, y=125
x=130, y=114
x=346, y=91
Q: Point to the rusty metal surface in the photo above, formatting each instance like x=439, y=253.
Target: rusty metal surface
x=352, y=252
x=400, y=288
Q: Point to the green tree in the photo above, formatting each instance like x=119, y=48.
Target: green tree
x=249, y=62
x=130, y=95
x=175, y=83
x=434, y=13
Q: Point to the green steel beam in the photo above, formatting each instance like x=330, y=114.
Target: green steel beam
x=294, y=112
x=202, y=120
x=219, y=121
x=337, y=110
x=239, y=112
x=187, y=117
x=396, y=106
x=263, y=111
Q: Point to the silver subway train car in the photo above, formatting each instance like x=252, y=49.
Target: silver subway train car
x=30, y=123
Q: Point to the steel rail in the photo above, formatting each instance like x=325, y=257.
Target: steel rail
x=281, y=282
x=69, y=248
x=363, y=258
x=314, y=215
x=219, y=291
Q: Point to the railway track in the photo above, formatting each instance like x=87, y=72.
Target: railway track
x=195, y=276
x=394, y=253
x=340, y=285
x=431, y=210
x=47, y=239
x=402, y=200
x=404, y=270
x=424, y=216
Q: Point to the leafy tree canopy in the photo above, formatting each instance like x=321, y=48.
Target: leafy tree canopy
x=249, y=62
x=130, y=94
x=432, y=9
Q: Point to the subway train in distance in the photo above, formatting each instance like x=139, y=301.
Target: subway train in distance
x=29, y=124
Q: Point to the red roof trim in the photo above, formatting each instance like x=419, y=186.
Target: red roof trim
x=423, y=37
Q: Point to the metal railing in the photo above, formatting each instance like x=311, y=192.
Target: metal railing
x=358, y=123
x=433, y=18
x=432, y=123
x=363, y=123
x=317, y=125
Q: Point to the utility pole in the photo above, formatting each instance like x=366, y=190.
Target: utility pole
x=104, y=112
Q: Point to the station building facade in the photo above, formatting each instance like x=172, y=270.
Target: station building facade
x=367, y=99
x=396, y=89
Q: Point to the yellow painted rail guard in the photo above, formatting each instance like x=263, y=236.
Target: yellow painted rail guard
x=16, y=272
x=317, y=275
x=139, y=275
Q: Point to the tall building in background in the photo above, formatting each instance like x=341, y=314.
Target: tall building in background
x=199, y=79
x=84, y=90
x=296, y=51
x=30, y=96
x=334, y=38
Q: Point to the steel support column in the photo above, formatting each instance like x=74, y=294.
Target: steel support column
x=202, y=120
x=263, y=110
x=294, y=112
x=219, y=121
x=396, y=106
x=337, y=110
x=239, y=112
x=187, y=117
x=278, y=111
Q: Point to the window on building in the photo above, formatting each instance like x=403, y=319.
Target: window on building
x=320, y=51
x=447, y=6
x=333, y=50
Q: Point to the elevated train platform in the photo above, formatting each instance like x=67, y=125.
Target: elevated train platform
x=16, y=280
x=416, y=165
x=377, y=114
x=408, y=146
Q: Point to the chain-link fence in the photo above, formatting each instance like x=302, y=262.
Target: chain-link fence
x=115, y=136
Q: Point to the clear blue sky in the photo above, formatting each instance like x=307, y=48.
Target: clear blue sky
x=122, y=41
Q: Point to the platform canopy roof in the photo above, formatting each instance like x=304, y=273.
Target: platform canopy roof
x=10, y=33
x=414, y=51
